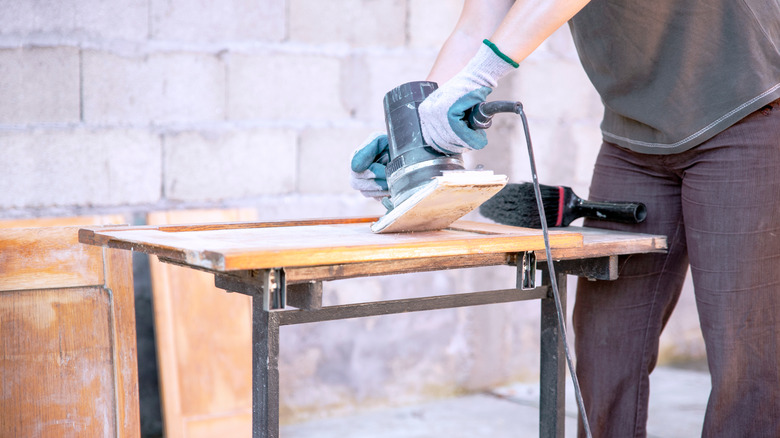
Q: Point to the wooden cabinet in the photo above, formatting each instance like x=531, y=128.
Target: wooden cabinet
x=68, y=365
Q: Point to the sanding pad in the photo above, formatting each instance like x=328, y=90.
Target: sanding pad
x=441, y=201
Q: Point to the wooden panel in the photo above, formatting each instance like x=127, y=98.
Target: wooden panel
x=204, y=344
x=322, y=244
x=70, y=221
x=46, y=257
x=57, y=363
x=601, y=243
x=67, y=354
x=236, y=425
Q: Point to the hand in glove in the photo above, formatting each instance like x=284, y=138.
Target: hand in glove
x=442, y=114
x=368, y=167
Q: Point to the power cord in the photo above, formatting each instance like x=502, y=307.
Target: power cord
x=551, y=272
x=480, y=117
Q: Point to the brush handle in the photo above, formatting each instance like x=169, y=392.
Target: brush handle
x=626, y=212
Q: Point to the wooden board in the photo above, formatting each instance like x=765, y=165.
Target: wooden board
x=47, y=257
x=204, y=357
x=441, y=201
x=67, y=335
x=595, y=243
x=271, y=245
x=600, y=243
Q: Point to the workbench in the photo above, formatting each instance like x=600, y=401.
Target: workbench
x=282, y=265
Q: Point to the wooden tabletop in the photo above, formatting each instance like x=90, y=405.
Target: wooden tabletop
x=316, y=248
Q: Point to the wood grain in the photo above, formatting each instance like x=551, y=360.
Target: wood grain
x=67, y=351
x=233, y=248
x=46, y=258
x=441, y=201
x=36, y=255
x=204, y=341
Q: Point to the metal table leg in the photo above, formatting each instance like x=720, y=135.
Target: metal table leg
x=265, y=371
x=267, y=289
x=552, y=373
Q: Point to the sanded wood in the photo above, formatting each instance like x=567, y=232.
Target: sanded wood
x=67, y=351
x=595, y=243
x=204, y=341
x=312, y=245
x=46, y=257
x=601, y=243
x=441, y=201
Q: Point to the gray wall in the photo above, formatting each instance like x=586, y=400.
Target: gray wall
x=133, y=106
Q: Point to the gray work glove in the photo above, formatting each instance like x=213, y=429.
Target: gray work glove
x=368, y=167
x=443, y=113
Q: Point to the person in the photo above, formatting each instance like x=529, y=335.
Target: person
x=691, y=128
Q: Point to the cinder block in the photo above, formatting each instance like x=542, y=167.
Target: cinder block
x=432, y=21
x=204, y=20
x=376, y=75
x=285, y=86
x=557, y=88
x=316, y=206
x=229, y=165
x=160, y=88
x=324, y=160
x=117, y=19
x=79, y=168
x=39, y=85
x=354, y=22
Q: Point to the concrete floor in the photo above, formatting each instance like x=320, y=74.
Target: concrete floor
x=677, y=402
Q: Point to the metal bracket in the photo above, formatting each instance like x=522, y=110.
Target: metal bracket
x=268, y=285
x=275, y=289
x=526, y=270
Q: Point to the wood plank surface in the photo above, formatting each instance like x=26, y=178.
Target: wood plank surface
x=37, y=255
x=204, y=357
x=67, y=340
x=441, y=201
x=601, y=243
x=595, y=243
x=322, y=244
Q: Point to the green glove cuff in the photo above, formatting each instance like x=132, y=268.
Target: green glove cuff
x=500, y=54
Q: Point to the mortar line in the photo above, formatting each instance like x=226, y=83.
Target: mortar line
x=81, y=85
x=163, y=168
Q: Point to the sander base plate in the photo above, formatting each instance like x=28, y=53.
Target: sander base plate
x=441, y=201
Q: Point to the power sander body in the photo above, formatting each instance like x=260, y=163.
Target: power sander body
x=413, y=163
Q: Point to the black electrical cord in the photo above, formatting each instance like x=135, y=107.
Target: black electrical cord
x=551, y=269
x=480, y=117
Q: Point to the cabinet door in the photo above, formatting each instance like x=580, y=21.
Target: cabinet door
x=204, y=343
x=68, y=361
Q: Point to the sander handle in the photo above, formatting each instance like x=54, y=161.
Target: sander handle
x=480, y=116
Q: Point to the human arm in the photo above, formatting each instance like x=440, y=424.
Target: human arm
x=515, y=27
x=468, y=70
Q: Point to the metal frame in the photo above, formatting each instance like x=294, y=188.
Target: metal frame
x=270, y=294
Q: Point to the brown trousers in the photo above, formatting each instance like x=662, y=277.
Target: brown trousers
x=719, y=206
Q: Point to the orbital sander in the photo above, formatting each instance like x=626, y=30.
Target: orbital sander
x=430, y=190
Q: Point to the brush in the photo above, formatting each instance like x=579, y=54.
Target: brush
x=515, y=205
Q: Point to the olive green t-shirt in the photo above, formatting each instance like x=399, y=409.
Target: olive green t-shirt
x=674, y=73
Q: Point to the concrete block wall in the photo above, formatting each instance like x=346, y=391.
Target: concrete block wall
x=134, y=106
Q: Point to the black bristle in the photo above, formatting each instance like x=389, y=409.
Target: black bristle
x=515, y=205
